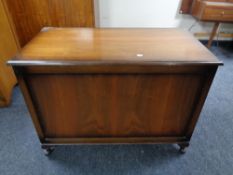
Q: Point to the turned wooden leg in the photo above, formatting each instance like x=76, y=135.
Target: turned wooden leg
x=47, y=149
x=183, y=147
x=213, y=33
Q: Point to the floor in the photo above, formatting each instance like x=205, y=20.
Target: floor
x=210, y=153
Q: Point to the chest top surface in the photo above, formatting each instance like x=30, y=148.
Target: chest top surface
x=61, y=45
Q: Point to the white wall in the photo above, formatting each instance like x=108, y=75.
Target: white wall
x=149, y=13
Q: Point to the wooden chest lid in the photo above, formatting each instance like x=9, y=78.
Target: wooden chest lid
x=57, y=46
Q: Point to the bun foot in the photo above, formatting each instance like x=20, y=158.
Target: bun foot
x=183, y=147
x=47, y=149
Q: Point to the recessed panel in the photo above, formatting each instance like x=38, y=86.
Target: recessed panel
x=71, y=106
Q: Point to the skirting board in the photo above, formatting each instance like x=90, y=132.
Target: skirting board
x=220, y=37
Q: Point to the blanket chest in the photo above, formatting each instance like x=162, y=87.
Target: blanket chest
x=101, y=86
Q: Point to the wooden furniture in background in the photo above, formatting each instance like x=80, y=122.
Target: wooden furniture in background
x=30, y=16
x=186, y=6
x=8, y=48
x=216, y=11
x=211, y=11
x=114, y=85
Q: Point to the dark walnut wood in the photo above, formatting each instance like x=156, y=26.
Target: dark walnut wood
x=114, y=85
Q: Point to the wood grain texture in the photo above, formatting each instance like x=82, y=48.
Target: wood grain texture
x=214, y=11
x=8, y=49
x=113, y=105
x=31, y=107
x=30, y=16
x=187, y=5
x=114, y=45
x=87, y=86
x=217, y=11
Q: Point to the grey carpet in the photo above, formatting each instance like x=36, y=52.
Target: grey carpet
x=210, y=153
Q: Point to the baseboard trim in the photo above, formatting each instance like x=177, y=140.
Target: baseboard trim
x=219, y=37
